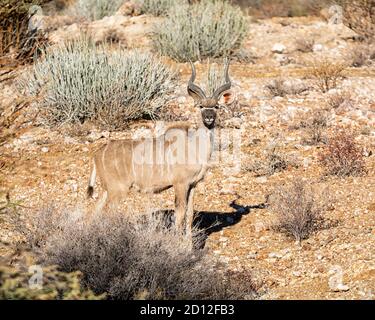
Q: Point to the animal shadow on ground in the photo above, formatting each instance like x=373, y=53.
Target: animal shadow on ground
x=207, y=222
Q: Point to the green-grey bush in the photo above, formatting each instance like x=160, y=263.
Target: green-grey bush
x=209, y=28
x=158, y=7
x=79, y=81
x=96, y=9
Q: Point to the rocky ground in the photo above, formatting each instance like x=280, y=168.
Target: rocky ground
x=41, y=166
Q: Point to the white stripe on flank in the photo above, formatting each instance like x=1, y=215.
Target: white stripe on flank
x=93, y=175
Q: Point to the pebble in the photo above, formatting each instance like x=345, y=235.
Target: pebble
x=252, y=256
x=278, y=48
x=317, y=47
x=223, y=239
x=275, y=255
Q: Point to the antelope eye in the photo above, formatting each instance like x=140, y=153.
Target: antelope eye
x=217, y=107
x=201, y=106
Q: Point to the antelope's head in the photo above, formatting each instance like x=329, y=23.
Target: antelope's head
x=209, y=106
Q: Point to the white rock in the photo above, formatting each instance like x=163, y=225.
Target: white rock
x=262, y=179
x=181, y=100
x=278, y=48
x=27, y=138
x=223, y=239
x=275, y=255
x=229, y=189
x=259, y=226
x=252, y=255
x=45, y=149
x=341, y=287
x=317, y=47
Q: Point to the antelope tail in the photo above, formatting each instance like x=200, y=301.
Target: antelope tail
x=90, y=188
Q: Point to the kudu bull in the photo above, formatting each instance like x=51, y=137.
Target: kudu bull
x=179, y=158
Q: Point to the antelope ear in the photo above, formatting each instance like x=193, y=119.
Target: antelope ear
x=195, y=94
x=227, y=97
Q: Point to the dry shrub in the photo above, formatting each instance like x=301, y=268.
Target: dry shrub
x=315, y=124
x=132, y=257
x=342, y=156
x=298, y=208
x=18, y=45
x=305, y=45
x=11, y=119
x=359, y=15
x=326, y=74
x=339, y=99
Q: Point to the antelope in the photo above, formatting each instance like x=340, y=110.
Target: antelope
x=178, y=158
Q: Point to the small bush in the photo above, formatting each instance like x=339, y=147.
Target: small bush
x=339, y=99
x=96, y=9
x=18, y=45
x=159, y=7
x=130, y=257
x=342, y=156
x=298, y=209
x=79, y=81
x=315, y=124
x=209, y=28
x=327, y=74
